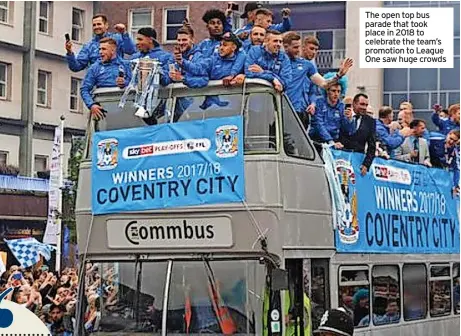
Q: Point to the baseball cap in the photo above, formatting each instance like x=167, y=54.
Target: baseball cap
x=336, y=321
x=250, y=6
x=232, y=38
x=149, y=32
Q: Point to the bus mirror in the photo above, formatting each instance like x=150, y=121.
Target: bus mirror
x=279, y=279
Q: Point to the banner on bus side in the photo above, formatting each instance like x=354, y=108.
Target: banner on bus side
x=168, y=165
x=396, y=208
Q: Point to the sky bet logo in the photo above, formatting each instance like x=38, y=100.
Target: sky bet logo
x=140, y=151
x=17, y=320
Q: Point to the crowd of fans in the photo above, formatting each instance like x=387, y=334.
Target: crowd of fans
x=52, y=296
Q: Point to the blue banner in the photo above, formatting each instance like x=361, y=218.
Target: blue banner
x=396, y=208
x=168, y=165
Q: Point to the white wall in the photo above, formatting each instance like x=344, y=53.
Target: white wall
x=60, y=95
x=61, y=24
x=12, y=108
x=371, y=79
x=10, y=144
x=45, y=147
x=12, y=32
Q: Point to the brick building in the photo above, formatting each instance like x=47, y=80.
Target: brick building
x=165, y=16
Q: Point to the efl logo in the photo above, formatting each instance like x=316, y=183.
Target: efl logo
x=391, y=174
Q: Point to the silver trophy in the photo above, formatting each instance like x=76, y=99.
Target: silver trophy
x=145, y=81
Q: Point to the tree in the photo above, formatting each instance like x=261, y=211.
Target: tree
x=70, y=188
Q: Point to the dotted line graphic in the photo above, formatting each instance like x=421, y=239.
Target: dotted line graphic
x=3, y=334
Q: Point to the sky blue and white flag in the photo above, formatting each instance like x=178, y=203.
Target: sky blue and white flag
x=28, y=250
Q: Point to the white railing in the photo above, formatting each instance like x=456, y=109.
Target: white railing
x=330, y=59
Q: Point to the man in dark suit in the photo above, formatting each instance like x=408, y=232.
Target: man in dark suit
x=365, y=132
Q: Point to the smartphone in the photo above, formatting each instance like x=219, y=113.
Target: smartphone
x=172, y=67
x=67, y=36
x=17, y=276
x=233, y=6
x=348, y=106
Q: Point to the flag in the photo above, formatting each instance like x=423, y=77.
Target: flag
x=54, y=194
x=28, y=250
x=2, y=267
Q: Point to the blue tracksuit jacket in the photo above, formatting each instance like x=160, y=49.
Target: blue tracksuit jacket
x=103, y=75
x=274, y=65
x=444, y=125
x=328, y=121
x=89, y=53
x=391, y=141
x=301, y=90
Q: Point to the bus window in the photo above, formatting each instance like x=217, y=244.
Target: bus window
x=295, y=140
x=124, y=297
x=440, y=290
x=206, y=107
x=414, y=291
x=354, y=293
x=319, y=290
x=386, y=294
x=456, y=288
x=200, y=290
x=260, y=125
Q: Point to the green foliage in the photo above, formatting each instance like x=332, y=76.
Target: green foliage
x=69, y=194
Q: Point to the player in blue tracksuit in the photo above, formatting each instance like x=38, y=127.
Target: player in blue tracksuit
x=390, y=141
x=442, y=151
x=301, y=91
x=104, y=73
x=269, y=62
x=187, y=55
x=89, y=53
x=148, y=47
x=445, y=126
x=217, y=25
x=251, y=10
x=257, y=37
x=226, y=65
x=330, y=118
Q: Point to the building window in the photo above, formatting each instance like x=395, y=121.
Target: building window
x=414, y=292
x=40, y=163
x=386, y=295
x=44, y=17
x=4, y=76
x=440, y=290
x=173, y=20
x=43, y=88
x=75, y=104
x=140, y=18
x=354, y=293
x=4, y=11
x=3, y=158
x=77, y=24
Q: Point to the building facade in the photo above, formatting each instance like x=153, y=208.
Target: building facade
x=337, y=24
x=36, y=87
x=165, y=16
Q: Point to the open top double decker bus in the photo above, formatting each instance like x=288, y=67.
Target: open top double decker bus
x=269, y=264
